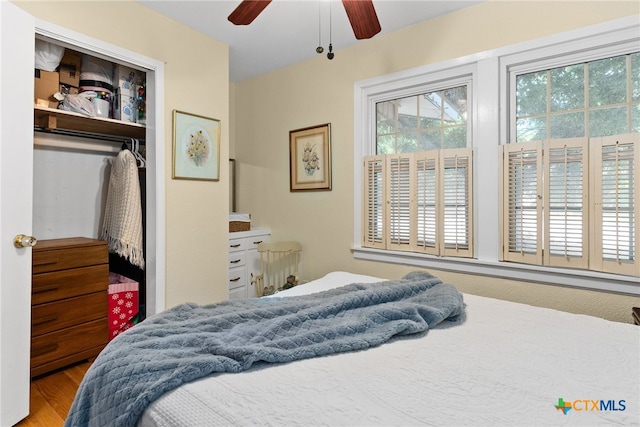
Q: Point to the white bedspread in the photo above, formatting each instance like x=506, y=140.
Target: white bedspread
x=505, y=364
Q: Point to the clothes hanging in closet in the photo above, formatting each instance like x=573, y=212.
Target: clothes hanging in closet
x=122, y=227
x=120, y=265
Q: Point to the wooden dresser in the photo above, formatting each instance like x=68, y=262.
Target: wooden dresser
x=68, y=302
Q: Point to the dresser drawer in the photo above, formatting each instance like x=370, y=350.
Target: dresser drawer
x=47, y=287
x=237, y=259
x=69, y=312
x=253, y=242
x=238, y=293
x=236, y=245
x=237, y=277
x=46, y=260
x=67, y=342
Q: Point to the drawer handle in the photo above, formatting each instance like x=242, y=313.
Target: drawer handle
x=235, y=261
x=45, y=319
x=39, y=351
x=237, y=245
x=41, y=263
x=42, y=289
x=234, y=280
x=258, y=242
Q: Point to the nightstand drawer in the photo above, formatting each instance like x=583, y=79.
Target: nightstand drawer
x=67, y=342
x=49, y=287
x=46, y=259
x=69, y=302
x=69, y=312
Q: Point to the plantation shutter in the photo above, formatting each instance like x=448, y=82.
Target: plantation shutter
x=399, y=206
x=522, y=202
x=426, y=236
x=419, y=202
x=616, y=189
x=374, y=216
x=566, y=203
x=455, y=202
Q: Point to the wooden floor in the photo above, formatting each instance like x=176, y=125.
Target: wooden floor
x=52, y=395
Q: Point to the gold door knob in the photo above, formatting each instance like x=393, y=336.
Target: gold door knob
x=23, y=241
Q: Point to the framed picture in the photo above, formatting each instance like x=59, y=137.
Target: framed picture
x=310, y=158
x=196, y=147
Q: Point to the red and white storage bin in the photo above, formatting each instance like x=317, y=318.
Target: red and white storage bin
x=123, y=304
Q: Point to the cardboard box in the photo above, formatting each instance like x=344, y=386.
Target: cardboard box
x=70, y=68
x=124, y=106
x=47, y=83
x=127, y=79
x=68, y=90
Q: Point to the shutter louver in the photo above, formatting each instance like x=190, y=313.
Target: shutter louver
x=616, y=206
x=566, y=213
x=426, y=237
x=522, y=219
x=455, y=169
x=373, y=210
x=399, y=202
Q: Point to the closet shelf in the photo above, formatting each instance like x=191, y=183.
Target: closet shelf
x=52, y=120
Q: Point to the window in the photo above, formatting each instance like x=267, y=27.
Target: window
x=564, y=113
x=571, y=175
x=595, y=98
x=417, y=193
x=422, y=122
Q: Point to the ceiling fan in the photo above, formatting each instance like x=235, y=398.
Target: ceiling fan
x=362, y=15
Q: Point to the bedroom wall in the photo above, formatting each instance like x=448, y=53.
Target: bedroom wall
x=196, y=220
x=320, y=91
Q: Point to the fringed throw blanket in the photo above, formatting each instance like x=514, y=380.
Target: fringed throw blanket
x=191, y=341
x=122, y=226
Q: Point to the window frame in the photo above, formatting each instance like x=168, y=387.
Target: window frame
x=492, y=104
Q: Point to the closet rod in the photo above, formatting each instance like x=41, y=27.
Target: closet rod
x=91, y=135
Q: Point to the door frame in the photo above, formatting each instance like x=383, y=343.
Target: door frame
x=155, y=202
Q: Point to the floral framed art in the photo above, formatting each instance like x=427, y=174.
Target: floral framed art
x=196, y=147
x=310, y=158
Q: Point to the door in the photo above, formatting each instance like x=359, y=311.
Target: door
x=16, y=187
x=17, y=34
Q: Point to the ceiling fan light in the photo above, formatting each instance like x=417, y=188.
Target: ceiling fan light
x=330, y=55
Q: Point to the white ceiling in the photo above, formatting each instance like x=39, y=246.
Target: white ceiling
x=288, y=31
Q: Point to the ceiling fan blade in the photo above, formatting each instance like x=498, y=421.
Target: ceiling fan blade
x=247, y=11
x=363, y=18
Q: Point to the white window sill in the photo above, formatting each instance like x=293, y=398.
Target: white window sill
x=522, y=272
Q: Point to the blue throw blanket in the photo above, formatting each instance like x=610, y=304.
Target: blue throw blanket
x=191, y=341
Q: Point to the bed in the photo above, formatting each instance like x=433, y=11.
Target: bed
x=494, y=363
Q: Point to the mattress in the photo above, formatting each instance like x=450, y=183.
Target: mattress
x=502, y=364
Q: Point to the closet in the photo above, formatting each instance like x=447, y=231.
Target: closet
x=73, y=158
x=75, y=146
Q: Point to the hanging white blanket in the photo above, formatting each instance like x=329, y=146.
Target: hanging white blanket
x=122, y=227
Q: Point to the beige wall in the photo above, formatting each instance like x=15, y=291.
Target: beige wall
x=320, y=91
x=196, y=211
